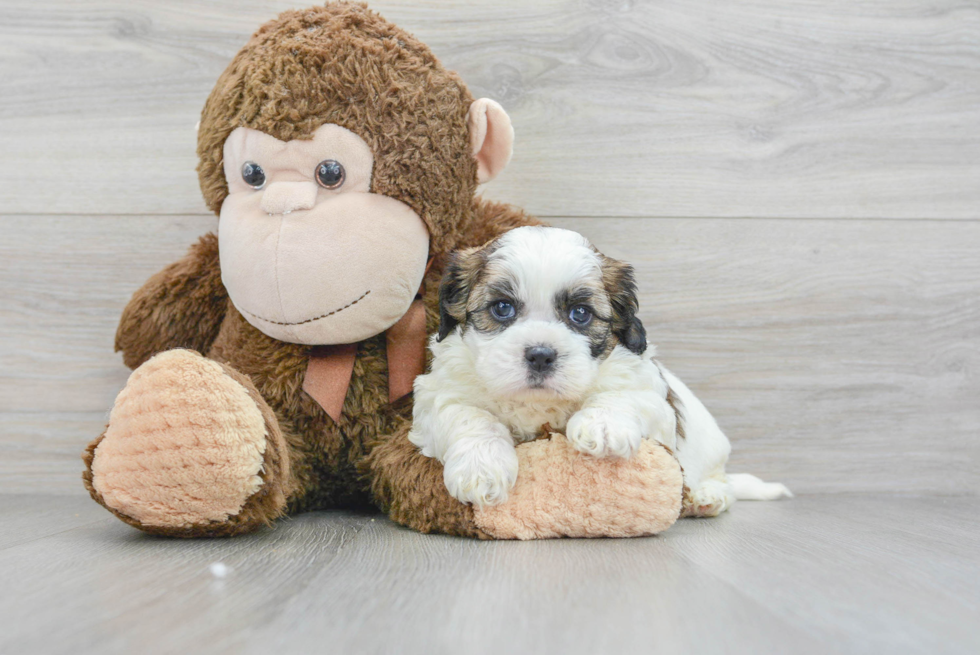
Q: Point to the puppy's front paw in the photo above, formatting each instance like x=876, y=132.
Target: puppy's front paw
x=602, y=432
x=480, y=471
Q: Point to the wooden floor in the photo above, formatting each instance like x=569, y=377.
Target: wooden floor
x=821, y=574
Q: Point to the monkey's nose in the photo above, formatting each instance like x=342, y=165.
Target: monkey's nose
x=540, y=359
x=285, y=197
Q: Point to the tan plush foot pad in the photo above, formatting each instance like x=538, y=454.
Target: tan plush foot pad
x=563, y=493
x=184, y=445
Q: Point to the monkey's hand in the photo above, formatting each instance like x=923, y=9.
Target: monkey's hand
x=561, y=492
x=182, y=306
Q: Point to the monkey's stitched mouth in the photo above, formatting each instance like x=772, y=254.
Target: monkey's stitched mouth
x=315, y=318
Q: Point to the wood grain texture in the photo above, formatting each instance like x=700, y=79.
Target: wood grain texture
x=837, y=355
x=840, y=574
x=622, y=108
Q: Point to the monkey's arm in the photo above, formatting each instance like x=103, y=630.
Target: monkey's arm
x=180, y=307
x=409, y=487
x=491, y=219
x=559, y=492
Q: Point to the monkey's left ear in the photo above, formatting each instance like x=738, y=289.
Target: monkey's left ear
x=491, y=137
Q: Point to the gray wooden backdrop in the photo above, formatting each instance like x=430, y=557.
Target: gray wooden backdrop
x=798, y=184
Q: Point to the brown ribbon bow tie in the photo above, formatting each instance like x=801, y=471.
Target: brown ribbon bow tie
x=329, y=372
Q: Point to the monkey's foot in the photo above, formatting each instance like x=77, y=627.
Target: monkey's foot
x=561, y=492
x=191, y=449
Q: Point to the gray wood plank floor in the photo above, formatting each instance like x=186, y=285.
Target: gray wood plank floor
x=829, y=574
x=671, y=108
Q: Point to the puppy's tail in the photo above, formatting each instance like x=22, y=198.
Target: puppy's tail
x=749, y=487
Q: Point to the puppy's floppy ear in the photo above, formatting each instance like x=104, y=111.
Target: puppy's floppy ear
x=620, y=284
x=454, y=290
x=634, y=337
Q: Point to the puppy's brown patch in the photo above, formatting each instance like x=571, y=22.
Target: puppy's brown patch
x=591, y=295
x=675, y=404
x=462, y=272
x=492, y=287
x=620, y=283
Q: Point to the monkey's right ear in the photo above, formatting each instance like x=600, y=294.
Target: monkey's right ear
x=454, y=290
x=491, y=138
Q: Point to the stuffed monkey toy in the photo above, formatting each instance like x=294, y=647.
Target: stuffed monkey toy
x=273, y=364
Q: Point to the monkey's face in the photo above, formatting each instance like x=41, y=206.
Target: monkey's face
x=308, y=254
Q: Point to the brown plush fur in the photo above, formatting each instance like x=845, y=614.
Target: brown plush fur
x=346, y=65
x=180, y=307
x=409, y=487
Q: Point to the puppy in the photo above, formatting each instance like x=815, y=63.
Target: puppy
x=539, y=328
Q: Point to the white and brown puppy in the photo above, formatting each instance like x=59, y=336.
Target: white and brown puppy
x=538, y=328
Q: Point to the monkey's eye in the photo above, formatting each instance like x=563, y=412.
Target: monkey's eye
x=253, y=175
x=502, y=310
x=330, y=174
x=580, y=315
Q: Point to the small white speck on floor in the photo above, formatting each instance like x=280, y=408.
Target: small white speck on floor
x=219, y=569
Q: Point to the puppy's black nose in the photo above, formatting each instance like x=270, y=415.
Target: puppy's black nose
x=540, y=359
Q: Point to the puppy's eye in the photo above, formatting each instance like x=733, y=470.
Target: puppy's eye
x=580, y=315
x=502, y=310
x=330, y=174
x=253, y=175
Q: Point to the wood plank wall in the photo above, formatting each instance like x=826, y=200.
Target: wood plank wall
x=798, y=185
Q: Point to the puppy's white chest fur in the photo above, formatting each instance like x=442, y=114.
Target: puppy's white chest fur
x=525, y=418
x=621, y=373
x=624, y=383
x=454, y=381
